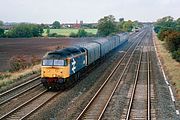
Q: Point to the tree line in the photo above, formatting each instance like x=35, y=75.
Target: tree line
x=168, y=30
x=22, y=30
x=108, y=25
x=26, y=30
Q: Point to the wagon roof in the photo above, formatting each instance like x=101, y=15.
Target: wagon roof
x=64, y=53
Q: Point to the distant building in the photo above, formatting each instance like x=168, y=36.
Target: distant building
x=79, y=25
x=81, y=22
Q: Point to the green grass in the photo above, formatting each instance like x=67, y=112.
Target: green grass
x=67, y=32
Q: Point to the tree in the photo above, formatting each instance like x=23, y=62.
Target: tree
x=48, y=31
x=178, y=21
x=127, y=26
x=37, y=30
x=44, y=26
x=56, y=25
x=172, y=40
x=121, y=20
x=25, y=30
x=1, y=32
x=82, y=33
x=1, y=23
x=178, y=24
x=107, y=26
x=176, y=55
x=164, y=23
x=120, y=26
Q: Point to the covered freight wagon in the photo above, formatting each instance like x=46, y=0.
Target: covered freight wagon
x=93, y=51
x=105, y=45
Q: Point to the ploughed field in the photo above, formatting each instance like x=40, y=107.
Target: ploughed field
x=30, y=47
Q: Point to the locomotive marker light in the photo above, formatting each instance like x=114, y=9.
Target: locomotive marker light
x=73, y=64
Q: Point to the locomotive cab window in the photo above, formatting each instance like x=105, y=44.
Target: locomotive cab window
x=47, y=62
x=54, y=63
x=59, y=62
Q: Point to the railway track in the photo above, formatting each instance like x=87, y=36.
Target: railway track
x=141, y=91
x=19, y=90
x=27, y=108
x=97, y=105
x=137, y=99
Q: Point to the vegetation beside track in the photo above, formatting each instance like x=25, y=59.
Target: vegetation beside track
x=8, y=78
x=171, y=66
x=168, y=30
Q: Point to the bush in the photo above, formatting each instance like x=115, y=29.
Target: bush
x=163, y=33
x=157, y=28
x=72, y=34
x=90, y=35
x=52, y=35
x=82, y=33
x=35, y=60
x=18, y=63
x=2, y=32
x=176, y=55
x=4, y=75
x=172, y=40
x=55, y=35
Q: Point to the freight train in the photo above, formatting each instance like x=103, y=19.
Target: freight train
x=61, y=67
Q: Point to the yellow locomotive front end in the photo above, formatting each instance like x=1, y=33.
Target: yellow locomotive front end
x=55, y=68
x=54, y=72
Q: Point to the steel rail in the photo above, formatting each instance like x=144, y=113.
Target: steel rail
x=149, y=84
x=22, y=92
x=22, y=105
x=38, y=107
x=17, y=87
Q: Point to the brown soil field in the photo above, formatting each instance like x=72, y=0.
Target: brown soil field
x=10, y=47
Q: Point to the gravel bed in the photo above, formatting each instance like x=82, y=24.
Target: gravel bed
x=18, y=90
x=20, y=100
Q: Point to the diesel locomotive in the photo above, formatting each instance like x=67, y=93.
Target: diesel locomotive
x=62, y=67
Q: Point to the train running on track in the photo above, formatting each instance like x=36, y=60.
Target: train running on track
x=62, y=67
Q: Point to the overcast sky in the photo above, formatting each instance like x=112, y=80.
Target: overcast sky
x=65, y=11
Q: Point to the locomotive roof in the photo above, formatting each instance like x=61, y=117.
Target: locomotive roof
x=64, y=53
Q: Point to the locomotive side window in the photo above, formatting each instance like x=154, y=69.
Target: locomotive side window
x=47, y=62
x=59, y=62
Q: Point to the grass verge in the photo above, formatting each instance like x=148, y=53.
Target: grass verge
x=171, y=67
x=8, y=78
